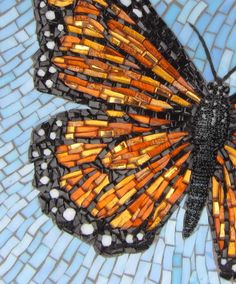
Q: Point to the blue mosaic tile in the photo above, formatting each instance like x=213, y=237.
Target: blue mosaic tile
x=177, y=276
x=114, y=279
x=168, y=254
x=171, y=14
x=45, y=270
x=196, y=12
x=35, y=243
x=12, y=274
x=21, y=232
x=75, y=265
x=81, y=275
x=107, y=267
x=39, y=256
x=187, y=9
x=95, y=267
x=59, y=271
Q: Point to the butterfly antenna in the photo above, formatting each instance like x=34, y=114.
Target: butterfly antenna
x=229, y=74
x=207, y=52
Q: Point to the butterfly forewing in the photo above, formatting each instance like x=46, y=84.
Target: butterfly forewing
x=101, y=52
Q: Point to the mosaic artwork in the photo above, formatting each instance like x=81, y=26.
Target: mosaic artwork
x=150, y=139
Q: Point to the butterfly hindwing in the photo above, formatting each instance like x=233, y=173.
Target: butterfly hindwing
x=108, y=179
x=222, y=208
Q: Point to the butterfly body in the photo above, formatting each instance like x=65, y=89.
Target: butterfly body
x=210, y=130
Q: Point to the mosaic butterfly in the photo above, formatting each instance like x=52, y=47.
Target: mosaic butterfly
x=155, y=130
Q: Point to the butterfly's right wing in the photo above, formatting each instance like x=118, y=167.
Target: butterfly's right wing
x=222, y=210
x=106, y=53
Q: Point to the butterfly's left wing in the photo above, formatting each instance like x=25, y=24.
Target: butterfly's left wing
x=113, y=176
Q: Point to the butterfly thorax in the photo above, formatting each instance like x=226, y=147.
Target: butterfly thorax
x=211, y=121
x=209, y=131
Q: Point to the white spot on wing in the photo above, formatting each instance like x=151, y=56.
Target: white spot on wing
x=69, y=214
x=87, y=229
x=44, y=180
x=49, y=83
x=54, y=193
x=52, y=70
x=41, y=73
x=50, y=44
x=50, y=15
x=126, y=3
x=129, y=239
x=140, y=236
x=41, y=132
x=35, y=154
x=44, y=166
x=106, y=240
x=47, y=152
x=138, y=13
x=53, y=135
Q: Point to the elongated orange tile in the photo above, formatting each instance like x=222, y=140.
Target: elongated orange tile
x=121, y=14
x=84, y=7
x=60, y=3
x=69, y=180
x=101, y=2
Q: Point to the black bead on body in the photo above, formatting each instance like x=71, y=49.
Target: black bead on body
x=209, y=132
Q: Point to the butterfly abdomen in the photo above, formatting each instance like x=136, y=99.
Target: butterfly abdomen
x=209, y=132
x=203, y=167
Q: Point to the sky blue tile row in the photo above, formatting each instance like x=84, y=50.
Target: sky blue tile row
x=32, y=248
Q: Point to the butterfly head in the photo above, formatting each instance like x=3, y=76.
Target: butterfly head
x=218, y=88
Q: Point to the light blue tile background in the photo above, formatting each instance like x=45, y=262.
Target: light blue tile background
x=32, y=248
